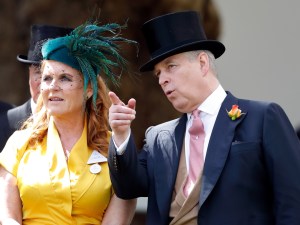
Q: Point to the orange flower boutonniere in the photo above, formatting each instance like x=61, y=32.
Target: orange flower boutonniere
x=235, y=112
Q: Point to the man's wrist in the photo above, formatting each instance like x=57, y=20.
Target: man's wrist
x=121, y=146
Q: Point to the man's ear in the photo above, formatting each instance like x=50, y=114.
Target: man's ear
x=204, y=62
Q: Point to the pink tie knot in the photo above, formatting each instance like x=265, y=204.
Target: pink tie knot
x=197, y=125
x=196, y=113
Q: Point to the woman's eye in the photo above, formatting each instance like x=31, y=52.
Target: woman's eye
x=65, y=78
x=46, y=78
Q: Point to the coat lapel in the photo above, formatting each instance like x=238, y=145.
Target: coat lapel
x=168, y=149
x=219, y=146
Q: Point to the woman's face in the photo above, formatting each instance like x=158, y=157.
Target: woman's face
x=62, y=90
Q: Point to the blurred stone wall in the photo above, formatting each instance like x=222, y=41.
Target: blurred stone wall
x=16, y=16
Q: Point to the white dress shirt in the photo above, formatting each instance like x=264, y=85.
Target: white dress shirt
x=32, y=105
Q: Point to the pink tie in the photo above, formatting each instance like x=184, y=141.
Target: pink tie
x=196, y=160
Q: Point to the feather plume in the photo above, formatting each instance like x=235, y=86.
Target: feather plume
x=97, y=51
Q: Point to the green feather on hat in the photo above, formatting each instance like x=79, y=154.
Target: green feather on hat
x=91, y=49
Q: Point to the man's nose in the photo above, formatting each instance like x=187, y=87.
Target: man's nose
x=163, y=79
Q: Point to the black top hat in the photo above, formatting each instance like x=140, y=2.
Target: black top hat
x=175, y=33
x=39, y=34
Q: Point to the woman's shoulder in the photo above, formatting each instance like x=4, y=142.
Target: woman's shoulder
x=21, y=134
x=19, y=138
x=14, y=150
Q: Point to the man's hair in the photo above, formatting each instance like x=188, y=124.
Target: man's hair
x=194, y=54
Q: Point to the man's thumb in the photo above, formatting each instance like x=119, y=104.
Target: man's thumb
x=131, y=103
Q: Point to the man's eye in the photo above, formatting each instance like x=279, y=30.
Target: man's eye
x=156, y=74
x=171, y=66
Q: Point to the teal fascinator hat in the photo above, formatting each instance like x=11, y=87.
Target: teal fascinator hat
x=91, y=49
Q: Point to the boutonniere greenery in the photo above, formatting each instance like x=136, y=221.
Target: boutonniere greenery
x=235, y=112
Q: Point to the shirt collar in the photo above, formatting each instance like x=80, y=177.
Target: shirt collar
x=32, y=105
x=213, y=102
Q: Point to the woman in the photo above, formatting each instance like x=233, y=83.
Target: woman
x=55, y=170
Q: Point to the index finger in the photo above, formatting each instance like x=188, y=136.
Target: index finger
x=115, y=100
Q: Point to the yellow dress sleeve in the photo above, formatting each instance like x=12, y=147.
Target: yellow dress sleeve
x=14, y=150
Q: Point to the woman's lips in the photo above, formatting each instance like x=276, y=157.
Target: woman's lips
x=55, y=99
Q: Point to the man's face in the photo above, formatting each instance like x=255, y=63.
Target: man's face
x=183, y=81
x=34, y=81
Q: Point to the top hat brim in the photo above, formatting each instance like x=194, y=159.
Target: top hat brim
x=24, y=59
x=217, y=49
x=38, y=35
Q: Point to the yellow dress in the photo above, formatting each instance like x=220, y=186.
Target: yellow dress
x=55, y=191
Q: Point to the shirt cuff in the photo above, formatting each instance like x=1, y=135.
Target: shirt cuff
x=121, y=149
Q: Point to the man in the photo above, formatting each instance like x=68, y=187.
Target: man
x=13, y=119
x=4, y=106
x=245, y=167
